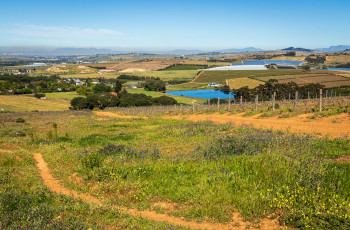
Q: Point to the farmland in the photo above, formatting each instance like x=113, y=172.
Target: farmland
x=221, y=76
x=237, y=83
x=329, y=80
x=223, y=176
x=168, y=75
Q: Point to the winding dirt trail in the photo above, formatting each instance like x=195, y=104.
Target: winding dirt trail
x=55, y=185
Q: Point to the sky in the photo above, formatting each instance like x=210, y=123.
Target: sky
x=164, y=25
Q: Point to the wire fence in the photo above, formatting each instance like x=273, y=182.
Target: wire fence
x=241, y=105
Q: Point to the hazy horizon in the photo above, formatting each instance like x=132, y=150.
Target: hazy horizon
x=158, y=25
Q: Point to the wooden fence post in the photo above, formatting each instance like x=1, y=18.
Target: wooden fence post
x=296, y=100
x=273, y=101
x=175, y=109
x=193, y=108
x=241, y=101
x=320, y=100
x=218, y=103
x=229, y=103
x=256, y=102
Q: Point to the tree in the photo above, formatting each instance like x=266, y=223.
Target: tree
x=118, y=86
x=155, y=85
x=79, y=103
x=100, y=88
x=306, y=67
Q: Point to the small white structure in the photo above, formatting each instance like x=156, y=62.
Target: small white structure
x=214, y=84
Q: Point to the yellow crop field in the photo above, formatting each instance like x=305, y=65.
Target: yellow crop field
x=237, y=83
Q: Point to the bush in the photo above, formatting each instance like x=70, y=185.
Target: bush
x=164, y=100
x=39, y=95
x=141, y=99
x=20, y=120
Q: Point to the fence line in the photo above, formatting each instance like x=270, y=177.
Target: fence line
x=290, y=105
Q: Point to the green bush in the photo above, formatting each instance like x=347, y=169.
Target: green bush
x=155, y=85
x=20, y=120
x=39, y=95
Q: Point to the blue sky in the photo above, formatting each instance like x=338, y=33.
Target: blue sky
x=175, y=24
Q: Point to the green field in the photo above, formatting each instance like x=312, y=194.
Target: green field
x=181, y=100
x=186, y=67
x=27, y=103
x=221, y=76
x=180, y=75
x=199, y=171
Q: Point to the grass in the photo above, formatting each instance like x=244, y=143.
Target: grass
x=179, y=99
x=221, y=76
x=63, y=95
x=186, y=67
x=237, y=83
x=168, y=75
x=27, y=103
x=206, y=170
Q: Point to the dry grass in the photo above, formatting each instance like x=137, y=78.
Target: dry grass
x=237, y=83
x=296, y=58
x=151, y=65
x=24, y=103
x=338, y=59
x=336, y=83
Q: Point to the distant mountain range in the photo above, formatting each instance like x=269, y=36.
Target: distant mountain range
x=95, y=51
x=297, y=49
x=334, y=48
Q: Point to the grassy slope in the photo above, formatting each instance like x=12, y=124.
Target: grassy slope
x=270, y=172
x=26, y=103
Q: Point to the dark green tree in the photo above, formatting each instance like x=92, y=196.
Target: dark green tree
x=118, y=86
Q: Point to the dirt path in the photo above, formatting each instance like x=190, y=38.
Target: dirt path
x=54, y=185
x=196, y=77
x=335, y=126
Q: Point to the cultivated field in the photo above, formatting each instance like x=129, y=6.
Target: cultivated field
x=168, y=75
x=221, y=76
x=151, y=64
x=237, y=83
x=67, y=69
x=329, y=80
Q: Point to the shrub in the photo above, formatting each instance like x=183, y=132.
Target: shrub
x=20, y=120
x=39, y=95
x=164, y=100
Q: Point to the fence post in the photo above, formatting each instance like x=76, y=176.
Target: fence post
x=193, y=108
x=325, y=104
x=181, y=110
x=256, y=102
x=175, y=109
x=273, y=101
x=320, y=100
x=241, y=101
x=218, y=103
x=229, y=103
x=296, y=100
